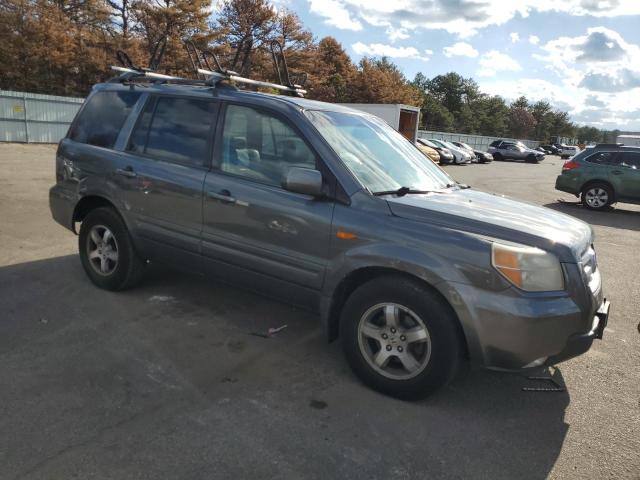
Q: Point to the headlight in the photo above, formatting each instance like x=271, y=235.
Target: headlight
x=528, y=268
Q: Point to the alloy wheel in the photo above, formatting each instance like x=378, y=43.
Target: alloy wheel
x=394, y=341
x=596, y=197
x=102, y=250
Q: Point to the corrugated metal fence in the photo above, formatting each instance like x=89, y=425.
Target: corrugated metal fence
x=35, y=118
x=478, y=142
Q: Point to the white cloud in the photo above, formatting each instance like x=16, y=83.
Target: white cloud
x=601, y=60
x=494, y=61
x=396, y=33
x=534, y=39
x=461, y=17
x=460, y=49
x=515, y=37
x=335, y=13
x=382, y=50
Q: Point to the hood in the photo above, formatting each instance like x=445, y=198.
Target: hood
x=498, y=217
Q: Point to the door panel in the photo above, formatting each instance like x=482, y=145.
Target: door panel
x=255, y=232
x=625, y=176
x=163, y=172
x=267, y=230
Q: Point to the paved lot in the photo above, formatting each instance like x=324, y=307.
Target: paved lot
x=165, y=381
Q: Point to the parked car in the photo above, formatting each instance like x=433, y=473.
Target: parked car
x=332, y=210
x=602, y=176
x=429, y=151
x=569, y=151
x=551, y=149
x=480, y=156
x=508, y=150
x=460, y=156
x=446, y=156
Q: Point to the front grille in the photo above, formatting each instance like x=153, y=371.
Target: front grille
x=590, y=269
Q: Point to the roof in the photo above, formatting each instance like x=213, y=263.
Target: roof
x=229, y=93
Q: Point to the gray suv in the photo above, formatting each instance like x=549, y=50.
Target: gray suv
x=508, y=150
x=332, y=210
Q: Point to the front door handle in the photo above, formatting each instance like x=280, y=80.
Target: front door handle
x=224, y=196
x=617, y=172
x=126, y=172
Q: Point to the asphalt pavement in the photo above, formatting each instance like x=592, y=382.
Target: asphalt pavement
x=174, y=380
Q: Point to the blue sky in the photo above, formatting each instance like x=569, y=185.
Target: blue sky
x=583, y=56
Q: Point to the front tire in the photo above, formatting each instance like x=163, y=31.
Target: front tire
x=497, y=157
x=531, y=159
x=597, y=196
x=400, y=338
x=106, y=251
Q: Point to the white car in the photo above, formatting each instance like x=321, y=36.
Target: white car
x=460, y=156
x=568, y=151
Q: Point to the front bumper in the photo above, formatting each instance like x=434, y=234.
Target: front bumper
x=579, y=343
x=512, y=330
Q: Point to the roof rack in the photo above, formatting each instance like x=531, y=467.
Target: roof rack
x=212, y=71
x=216, y=73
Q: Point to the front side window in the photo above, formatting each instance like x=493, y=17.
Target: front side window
x=378, y=156
x=260, y=146
x=102, y=118
x=175, y=129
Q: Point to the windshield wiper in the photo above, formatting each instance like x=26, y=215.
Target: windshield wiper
x=461, y=186
x=402, y=191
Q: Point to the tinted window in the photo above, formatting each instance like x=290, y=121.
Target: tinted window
x=259, y=146
x=603, y=158
x=495, y=143
x=102, y=118
x=175, y=129
x=629, y=159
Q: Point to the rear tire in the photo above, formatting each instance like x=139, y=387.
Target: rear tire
x=107, y=252
x=597, y=196
x=400, y=337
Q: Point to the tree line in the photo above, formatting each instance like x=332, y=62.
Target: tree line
x=63, y=47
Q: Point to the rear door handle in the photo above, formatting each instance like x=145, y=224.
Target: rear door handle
x=224, y=196
x=126, y=172
x=617, y=172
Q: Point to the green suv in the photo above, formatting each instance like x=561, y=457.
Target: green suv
x=603, y=175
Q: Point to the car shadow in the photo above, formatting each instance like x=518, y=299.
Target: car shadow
x=107, y=374
x=616, y=217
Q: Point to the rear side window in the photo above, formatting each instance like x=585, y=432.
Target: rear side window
x=630, y=160
x=102, y=118
x=602, y=158
x=175, y=129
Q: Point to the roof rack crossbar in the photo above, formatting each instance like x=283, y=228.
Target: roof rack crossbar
x=215, y=77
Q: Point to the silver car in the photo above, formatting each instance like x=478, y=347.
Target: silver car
x=460, y=155
x=510, y=150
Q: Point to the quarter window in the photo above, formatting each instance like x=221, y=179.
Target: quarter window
x=261, y=147
x=102, y=118
x=175, y=129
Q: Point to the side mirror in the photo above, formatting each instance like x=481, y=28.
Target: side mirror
x=304, y=180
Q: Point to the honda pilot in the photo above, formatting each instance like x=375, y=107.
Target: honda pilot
x=330, y=209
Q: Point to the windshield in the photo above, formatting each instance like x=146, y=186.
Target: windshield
x=427, y=143
x=378, y=156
